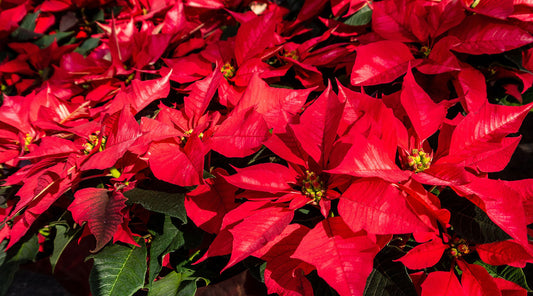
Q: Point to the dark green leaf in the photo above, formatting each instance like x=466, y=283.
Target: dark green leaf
x=527, y=97
x=26, y=29
x=63, y=236
x=164, y=241
x=29, y=20
x=7, y=270
x=469, y=221
x=208, y=175
x=27, y=252
x=320, y=287
x=389, y=278
x=512, y=274
x=87, y=46
x=175, y=284
x=46, y=40
x=99, y=16
x=361, y=17
x=11, y=260
x=276, y=85
x=118, y=270
x=160, y=202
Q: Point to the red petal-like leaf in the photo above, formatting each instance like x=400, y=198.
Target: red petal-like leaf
x=504, y=253
x=284, y=275
x=367, y=158
x=257, y=230
x=222, y=244
x=425, y=255
x=444, y=15
x=425, y=204
x=442, y=283
x=379, y=208
x=267, y=177
x=201, y=93
x=493, y=8
x=482, y=35
x=240, y=135
x=472, y=88
x=140, y=94
x=375, y=63
x=318, y=126
x=360, y=108
x=342, y=258
x=287, y=147
x=123, y=133
x=476, y=280
x=391, y=20
x=147, y=91
x=255, y=35
x=181, y=166
x=52, y=147
x=488, y=124
x=277, y=105
x=509, y=288
x=485, y=156
x=101, y=209
x=9, y=18
x=444, y=174
x=207, y=204
x=425, y=115
x=502, y=204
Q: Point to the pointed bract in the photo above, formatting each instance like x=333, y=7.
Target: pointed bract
x=342, y=258
x=425, y=115
x=101, y=209
x=377, y=64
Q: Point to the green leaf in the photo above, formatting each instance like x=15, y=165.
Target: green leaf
x=162, y=202
x=63, y=236
x=11, y=259
x=7, y=270
x=208, y=175
x=27, y=252
x=320, y=287
x=361, y=17
x=99, y=16
x=118, y=270
x=26, y=29
x=469, y=221
x=87, y=46
x=175, y=284
x=389, y=278
x=165, y=240
x=512, y=274
x=46, y=40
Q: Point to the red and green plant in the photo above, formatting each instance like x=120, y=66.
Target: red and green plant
x=324, y=147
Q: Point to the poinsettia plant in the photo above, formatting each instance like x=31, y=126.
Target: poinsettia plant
x=172, y=147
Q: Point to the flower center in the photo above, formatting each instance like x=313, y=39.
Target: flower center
x=187, y=134
x=312, y=187
x=94, y=141
x=474, y=4
x=425, y=51
x=418, y=160
x=27, y=141
x=291, y=54
x=459, y=247
x=228, y=70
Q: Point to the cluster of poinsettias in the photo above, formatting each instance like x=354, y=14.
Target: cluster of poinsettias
x=312, y=139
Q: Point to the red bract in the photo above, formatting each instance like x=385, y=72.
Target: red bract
x=342, y=258
x=101, y=209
